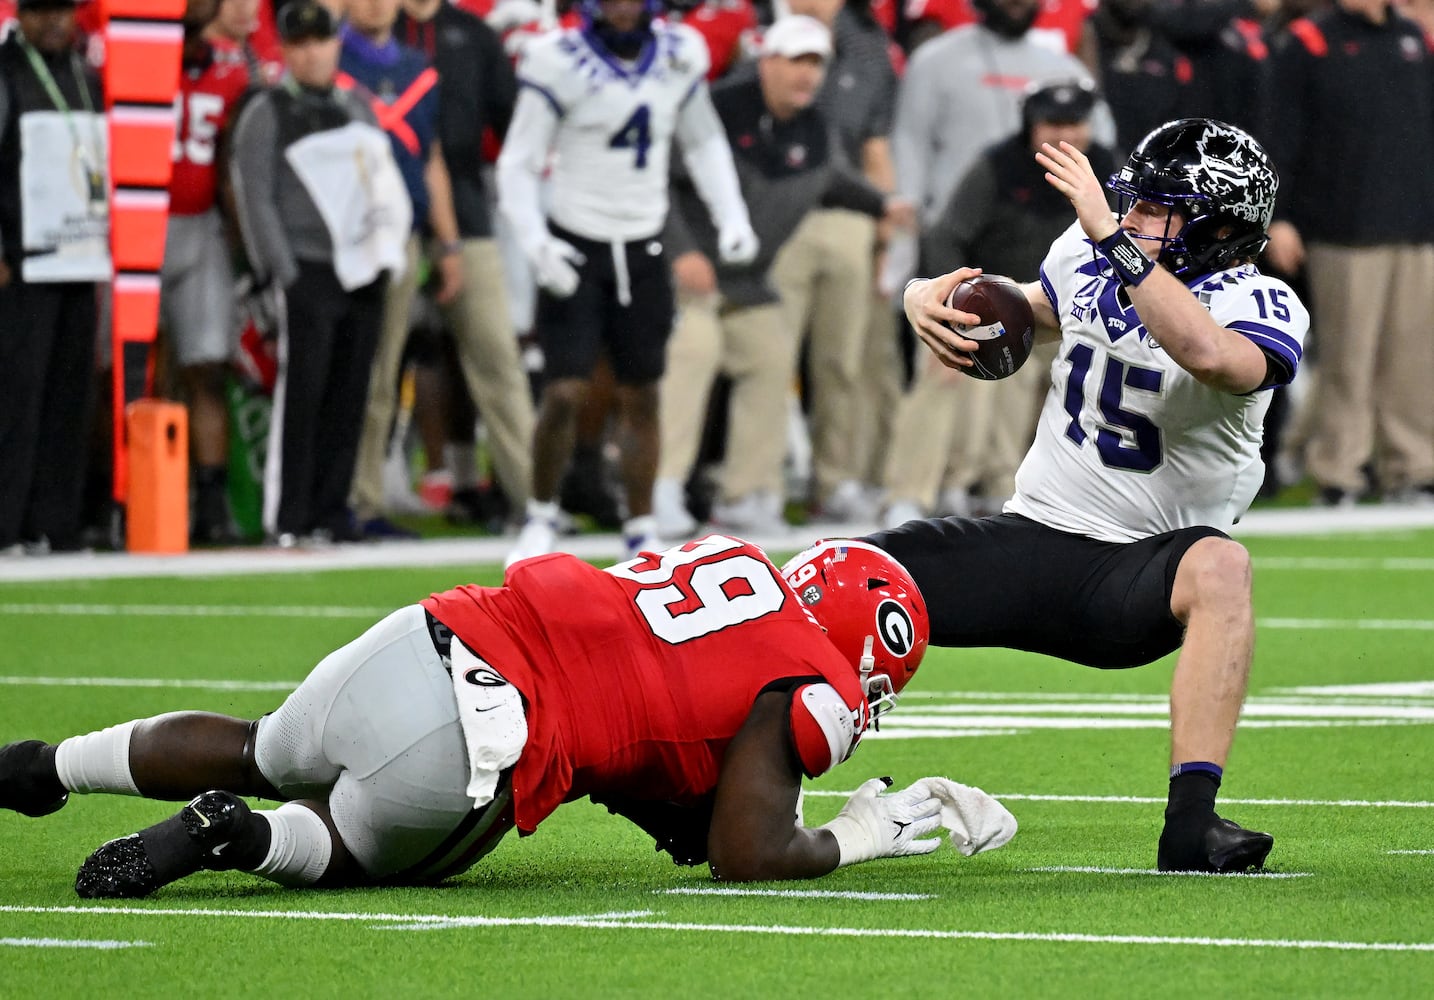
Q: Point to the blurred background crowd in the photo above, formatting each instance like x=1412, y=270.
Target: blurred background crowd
x=394, y=386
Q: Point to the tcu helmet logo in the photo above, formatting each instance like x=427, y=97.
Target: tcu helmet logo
x=895, y=628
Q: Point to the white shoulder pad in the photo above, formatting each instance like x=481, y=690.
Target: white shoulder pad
x=548, y=65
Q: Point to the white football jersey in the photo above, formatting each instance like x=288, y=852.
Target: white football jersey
x=1130, y=444
x=614, y=137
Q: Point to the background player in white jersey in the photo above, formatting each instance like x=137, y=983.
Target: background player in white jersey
x=603, y=103
x=1113, y=551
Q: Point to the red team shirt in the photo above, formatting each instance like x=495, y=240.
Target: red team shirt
x=206, y=100
x=636, y=678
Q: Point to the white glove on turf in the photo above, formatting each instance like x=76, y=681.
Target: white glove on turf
x=737, y=243
x=874, y=825
x=555, y=263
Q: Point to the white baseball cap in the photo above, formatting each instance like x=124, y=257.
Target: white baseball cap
x=797, y=35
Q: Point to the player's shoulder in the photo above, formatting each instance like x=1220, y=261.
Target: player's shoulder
x=552, y=56
x=682, y=47
x=1065, y=255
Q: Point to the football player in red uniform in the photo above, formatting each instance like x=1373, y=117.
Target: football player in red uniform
x=197, y=278
x=688, y=690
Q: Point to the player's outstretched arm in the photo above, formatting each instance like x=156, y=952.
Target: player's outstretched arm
x=754, y=834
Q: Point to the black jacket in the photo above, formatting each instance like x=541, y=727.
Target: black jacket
x=1350, y=126
x=785, y=169
x=1003, y=216
x=477, y=91
x=21, y=92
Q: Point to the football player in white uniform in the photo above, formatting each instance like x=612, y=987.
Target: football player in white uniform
x=601, y=105
x=1113, y=551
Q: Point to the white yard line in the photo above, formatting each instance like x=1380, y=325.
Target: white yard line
x=1093, y=870
x=362, y=613
x=1419, y=851
x=148, y=682
x=69, y=943
x=793, y=893
x=489, y=552
x=194, y=611
x=605, y=922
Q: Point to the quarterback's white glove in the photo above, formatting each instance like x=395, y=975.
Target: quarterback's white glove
x=875, y=825
x=555, y=266
x=737, y=244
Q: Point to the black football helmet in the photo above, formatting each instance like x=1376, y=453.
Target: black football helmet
x=1220, y=180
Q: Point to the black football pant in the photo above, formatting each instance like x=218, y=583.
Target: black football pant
x=330, y=337
x=47, y=380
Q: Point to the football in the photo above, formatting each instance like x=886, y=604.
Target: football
x=1007, y=330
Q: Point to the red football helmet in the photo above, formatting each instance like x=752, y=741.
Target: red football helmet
x=871, y=611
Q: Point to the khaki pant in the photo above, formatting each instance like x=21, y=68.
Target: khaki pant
x=879, y=391
x=824, y=275
x=1374, y=313
x=492, y=368
x=754, y=347
x=953, y=431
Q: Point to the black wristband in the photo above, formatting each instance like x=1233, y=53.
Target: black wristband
x=1130, y=264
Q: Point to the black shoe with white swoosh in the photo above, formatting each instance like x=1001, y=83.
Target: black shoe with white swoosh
x=215, y=832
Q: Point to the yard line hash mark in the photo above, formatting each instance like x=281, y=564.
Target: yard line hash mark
x=7, y=942
x=794, y=893
x=602, y=922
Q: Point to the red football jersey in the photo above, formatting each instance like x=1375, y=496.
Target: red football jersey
x=206, y=99
x=723, y=24
x=636, y=678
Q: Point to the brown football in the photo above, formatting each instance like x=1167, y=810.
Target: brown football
x=1007, y=330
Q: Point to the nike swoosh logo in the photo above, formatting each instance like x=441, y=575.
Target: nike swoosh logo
x=203, y=820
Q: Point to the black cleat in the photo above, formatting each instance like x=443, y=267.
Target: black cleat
x=120, y=869
x=28, y=783
x=1221, y=848
x=212, y=833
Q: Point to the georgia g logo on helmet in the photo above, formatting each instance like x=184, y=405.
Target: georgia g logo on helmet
x=895, y=628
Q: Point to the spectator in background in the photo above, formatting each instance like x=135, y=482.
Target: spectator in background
x=962, y=93
x=237, y=22
x=309, y=156
x=1224, y=41
x=54, y=248
x=1349, y=124
x=609, y=99
x=1143, y=76
x=826, y=272
x=197, y=279
x=402, y=90
x=730, y=318
x=1005, y=215
x=1061, y=24
x=477, y=94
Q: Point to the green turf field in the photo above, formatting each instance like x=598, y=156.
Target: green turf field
x=1333, y=759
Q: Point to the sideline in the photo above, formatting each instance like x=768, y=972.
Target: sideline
x=489, y=551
